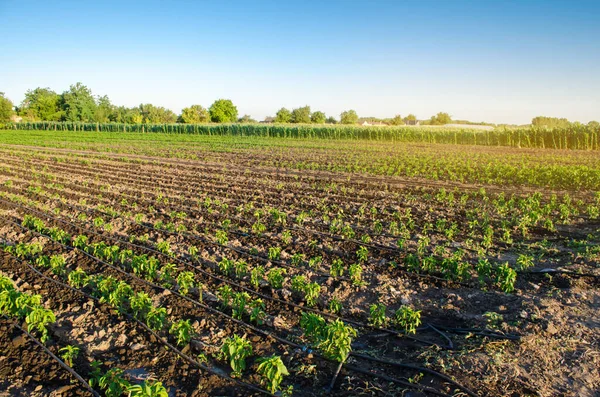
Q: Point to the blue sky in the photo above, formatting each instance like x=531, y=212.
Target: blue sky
x=498, y=61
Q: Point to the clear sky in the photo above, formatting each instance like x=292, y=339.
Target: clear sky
x=497, y=61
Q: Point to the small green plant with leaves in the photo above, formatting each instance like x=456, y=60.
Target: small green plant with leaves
x=68, y=354
x=408, y=319
x=377, y=316
x=272, y=370
x=182, y=330
x=235, y=350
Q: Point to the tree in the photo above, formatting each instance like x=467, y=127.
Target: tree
x=105, y=111
x=397, y=120
x=78, y=104
x=195, y=114
x=331, y=120
x=318, y=117
x=301, y=115
x=593, y=124
x=550, y=122
x=440, y=119
x=223, y=111
x=283, y=116
x=246, y=119
x=6, y=108
x=349, y=117
x=156, y=114
x=41, y=104
x=410, y=119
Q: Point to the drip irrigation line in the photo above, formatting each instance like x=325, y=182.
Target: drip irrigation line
x=282, y=263
x=156, y=335
x=230, y=282
x=83, y=382
x=304, y=349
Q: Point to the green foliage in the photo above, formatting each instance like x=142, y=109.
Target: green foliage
x=524, y=262
x=337, y=268
x=274, y=253
x=283, y=116
x=41, y=104
x=78, y=103
x=156, y=318
x=377, y=316
x=506, y=278
x=301, y=115
x=194, y=114
x=182, y=330
x=141, y=304
x=335, y=306
x=38, y=319
x=440, y=119
x=318, y=117
x=408, y=319
x=257, y=274
x=185, y=281
x=550, y=122
x=223, y=111
x=349, y=117
x=272, y=371
x=226, y=266
x=68, y=354
x=335, y=342
x=148, y=388
x=355, y=271
x=113, y=383
x=275, y=277
x=312, y=324
x=236, y=350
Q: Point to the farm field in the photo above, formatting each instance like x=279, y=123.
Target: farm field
x=224, y=265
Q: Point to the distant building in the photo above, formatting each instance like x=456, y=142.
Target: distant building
x=372, y=123
x=16, y=119
x=268, y=120
x=412, y=122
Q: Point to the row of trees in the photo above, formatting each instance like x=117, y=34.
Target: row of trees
x=555, y=122
x=78, y=104
x=305, y=116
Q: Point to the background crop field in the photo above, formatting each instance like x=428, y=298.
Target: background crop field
x=368, y=267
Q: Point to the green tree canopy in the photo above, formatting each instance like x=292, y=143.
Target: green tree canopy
x=440, y=119
x=551, y=122
x=6, y=108
x=105, y=111
x=410, y=117
x=301, y=115
x=283, y=116
x=78, y=104
x=349, y=117
x=156, y=114
x=195, y=114
x=318, y=117
x=331, y=120
x=41, y=104
x=397, y=120
x=593, y=124
x=223, y=111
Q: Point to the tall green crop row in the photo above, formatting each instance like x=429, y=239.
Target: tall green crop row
x=574, y=137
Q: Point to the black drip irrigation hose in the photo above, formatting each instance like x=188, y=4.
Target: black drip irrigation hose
x=226, y=281
x=156, y=335
x=281, y=263
x=55, y=358
x=482, y=332
x=303, y=349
